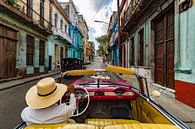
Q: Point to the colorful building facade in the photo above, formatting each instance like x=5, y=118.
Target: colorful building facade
x=184, y=48
x=60, y=40
x=74, y=30
x=85, y=30
x=157, y=44
x=23, y=37
x=113, y=38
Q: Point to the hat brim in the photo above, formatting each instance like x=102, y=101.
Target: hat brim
x=35, y=101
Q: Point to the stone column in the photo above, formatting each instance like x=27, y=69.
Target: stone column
x=47, y=54
x=21, y=54
x=36, y=56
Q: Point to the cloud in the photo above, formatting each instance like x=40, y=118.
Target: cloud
x=97, y=5
x=96, y=10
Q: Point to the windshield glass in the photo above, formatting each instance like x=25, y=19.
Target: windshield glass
x=110, y=79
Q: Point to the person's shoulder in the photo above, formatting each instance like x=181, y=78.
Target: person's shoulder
x=25, y=111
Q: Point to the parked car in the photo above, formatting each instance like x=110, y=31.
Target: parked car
x=71, y=64
x=105, y=101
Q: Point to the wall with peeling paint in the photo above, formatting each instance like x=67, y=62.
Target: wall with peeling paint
x=23, y=31
x=185, y=51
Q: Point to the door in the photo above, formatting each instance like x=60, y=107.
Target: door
x=164, y=49
x=56, y=55
x=50, y=63
x=124, y=56
x=170, y=50
x=132, y=57
x=8, y=42
x=61, y=57
x=11, y=58
x=141, y=48
x=2, y=57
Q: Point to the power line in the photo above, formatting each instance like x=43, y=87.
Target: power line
x=97, y=12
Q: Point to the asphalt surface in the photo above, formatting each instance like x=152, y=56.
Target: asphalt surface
x=97, y=64
x=12, y=100
x=11, y=104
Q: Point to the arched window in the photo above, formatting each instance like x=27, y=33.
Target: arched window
x=56, y=20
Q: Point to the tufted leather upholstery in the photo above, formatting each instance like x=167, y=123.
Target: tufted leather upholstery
x=141, y=126
x=103, y=122
x=114, y=126
x=63, y=126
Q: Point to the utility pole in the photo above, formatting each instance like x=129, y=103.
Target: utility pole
x=119, y=44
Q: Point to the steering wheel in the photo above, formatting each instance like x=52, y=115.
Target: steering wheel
x=80, y=98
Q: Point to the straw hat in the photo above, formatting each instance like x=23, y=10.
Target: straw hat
x=45, y=93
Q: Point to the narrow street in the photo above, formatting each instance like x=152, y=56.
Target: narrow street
x=11, y=104
x=13, y=100
x=97, y=64
x=155, y=39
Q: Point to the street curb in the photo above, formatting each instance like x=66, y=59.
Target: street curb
x=16, y=83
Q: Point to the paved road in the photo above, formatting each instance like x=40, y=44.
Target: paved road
x=11, y=104
x=12, y=100
x=97, y=64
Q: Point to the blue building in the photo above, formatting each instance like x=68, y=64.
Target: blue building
x=74, y=30
x=113, y=38
x=77, y=42
x=60, y=40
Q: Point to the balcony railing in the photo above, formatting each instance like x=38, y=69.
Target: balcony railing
x=132, y=8
x=23, y=9
x=58, y=31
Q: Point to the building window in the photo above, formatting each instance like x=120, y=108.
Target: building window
x=65, y=28
x=56, y=20
x=132, y=53
x=42, y=12
x=74, y=54
x=30, y=50
x=141, y=48
x=41, y=52
x=61, y=25
x=30, y=8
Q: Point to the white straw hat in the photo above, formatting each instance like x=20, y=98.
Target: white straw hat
x=45, y=93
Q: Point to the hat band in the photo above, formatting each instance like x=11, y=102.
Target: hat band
x=48, y=93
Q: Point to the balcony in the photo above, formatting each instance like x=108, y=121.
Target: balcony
x=64, y=35
x=80, y=48
x=26, y=14
x=132, y=8
x=136, y=9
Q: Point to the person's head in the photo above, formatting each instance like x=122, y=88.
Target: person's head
x=45, y=93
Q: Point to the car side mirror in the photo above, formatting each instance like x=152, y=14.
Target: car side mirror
x=155, y=93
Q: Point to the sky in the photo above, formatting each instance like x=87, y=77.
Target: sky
x=92, y=10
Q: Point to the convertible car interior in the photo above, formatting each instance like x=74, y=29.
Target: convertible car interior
x=105, y=101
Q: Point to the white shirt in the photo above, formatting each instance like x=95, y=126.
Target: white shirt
x=51, y=115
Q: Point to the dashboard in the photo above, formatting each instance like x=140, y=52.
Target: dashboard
x=104, y=94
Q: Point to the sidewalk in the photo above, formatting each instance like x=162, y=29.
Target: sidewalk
x=173, y=106
x=15, y=83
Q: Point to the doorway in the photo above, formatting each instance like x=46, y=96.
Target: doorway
x=164, y=49
x=8, y=41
